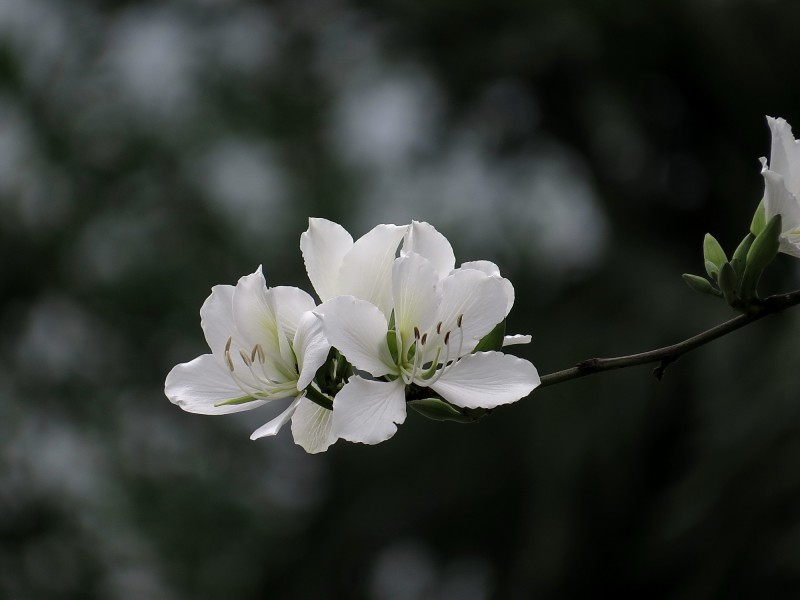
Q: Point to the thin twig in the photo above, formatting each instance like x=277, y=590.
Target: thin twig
x=669, y=354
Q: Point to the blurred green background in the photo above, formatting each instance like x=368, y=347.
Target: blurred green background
x=150, y=150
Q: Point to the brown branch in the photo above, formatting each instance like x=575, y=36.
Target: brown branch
x=669, y=354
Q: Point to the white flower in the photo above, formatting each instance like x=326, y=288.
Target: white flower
x=439, y=314
x=338, y=266
x=422, y=238
x=782, y=184
x=265, y=345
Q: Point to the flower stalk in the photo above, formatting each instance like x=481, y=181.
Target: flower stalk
x=669, y=354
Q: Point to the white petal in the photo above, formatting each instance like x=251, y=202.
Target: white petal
x=291, y=304
x=369, y=411
x=311, y=347
x=417, y=295
x=274, y=426
x=486, y=380
x=790, y=244
x=256, y=321
x=312, y=427
x=514, y=340
x=423, y=239
x=778, y=200
x=253, y=311
x=323, y=245
x=490, y=268
x=366, y=270
x=358, y=330
x=785, y=154
x=198, y=385
x=216, y=319
x=480, y=299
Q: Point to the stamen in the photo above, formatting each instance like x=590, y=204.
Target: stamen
x=439, y=328
x=416, y=332
x=260, y=353
x=253, y=355
x=245, y=358
x=460, y=343
x=228, y=360
x=459, y=320
x=417, y=355
x=446, y=338
x=424, y=339
x=438, y=374
x=434, y=365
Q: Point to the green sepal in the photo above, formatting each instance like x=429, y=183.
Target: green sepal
x=492, y=340
x=713, y=252
x=235, y=401
x=728, y=282
x=712, y=270
x=763, y=251
x=739, y=260
x=391, y=341
x=439, y=410
x=759, y=220
x=701, y=284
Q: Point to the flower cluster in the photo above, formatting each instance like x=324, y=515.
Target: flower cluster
x=398, y=325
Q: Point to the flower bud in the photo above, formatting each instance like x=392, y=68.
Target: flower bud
x=713, y=252
x=759, y=220
x=728, y=282
x=739, y=260
x=762, y=252
x=700, y=284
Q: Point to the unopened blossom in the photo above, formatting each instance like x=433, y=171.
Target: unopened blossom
x=439, y=315
x=266, y=345
x=782, y=184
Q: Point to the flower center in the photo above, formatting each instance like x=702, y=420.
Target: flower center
x=421, y=363
x=259, y=384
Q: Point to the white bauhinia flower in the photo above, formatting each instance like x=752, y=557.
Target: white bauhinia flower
x=782, y=184
x=338, y=266
x=439, y=316
x=266, y=345
x=422, y=238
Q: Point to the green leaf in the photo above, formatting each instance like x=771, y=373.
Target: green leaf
x=701, y=284
x=759, y=220
x=762, y=252
x=713, y=252
x=493, y=340
x=439, y=410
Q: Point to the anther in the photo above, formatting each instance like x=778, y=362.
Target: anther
x=245, y=358
x=260, y=354
x=439, y=328
x=446, y=338
x=459, y=319
x=424, y=339
x=416, y=332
